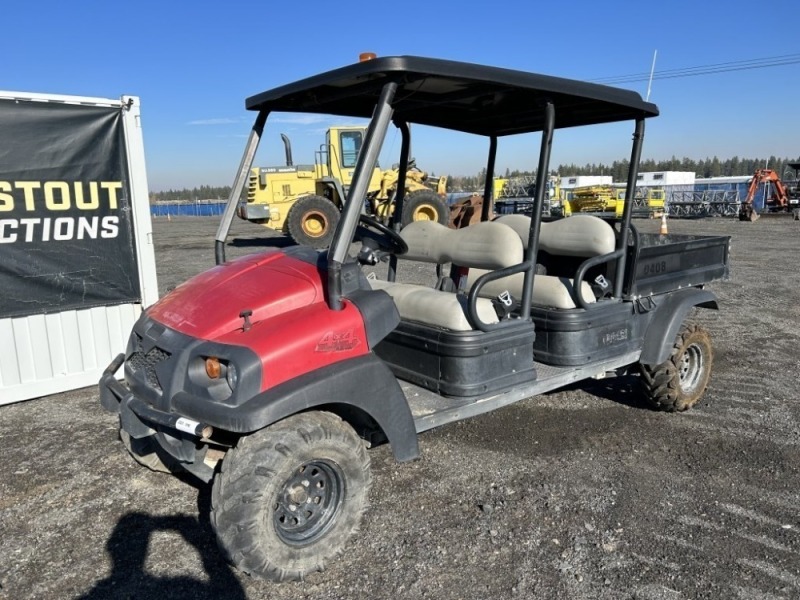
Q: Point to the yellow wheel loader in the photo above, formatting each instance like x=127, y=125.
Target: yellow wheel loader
x=304, y=200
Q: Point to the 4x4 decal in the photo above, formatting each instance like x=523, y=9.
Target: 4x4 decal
x=337, y=342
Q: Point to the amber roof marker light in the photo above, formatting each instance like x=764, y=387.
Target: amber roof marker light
x=365, y=56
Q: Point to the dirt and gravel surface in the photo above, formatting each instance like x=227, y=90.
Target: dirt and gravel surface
x=582, y=493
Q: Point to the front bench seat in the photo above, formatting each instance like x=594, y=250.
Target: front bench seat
x=489, y=245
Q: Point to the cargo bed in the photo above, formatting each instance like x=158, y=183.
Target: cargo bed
x=664, y=263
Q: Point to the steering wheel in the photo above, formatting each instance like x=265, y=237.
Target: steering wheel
x=377, y=239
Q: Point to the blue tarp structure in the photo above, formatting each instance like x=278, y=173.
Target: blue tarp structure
x=187, y=209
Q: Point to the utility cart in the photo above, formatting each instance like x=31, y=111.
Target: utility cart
x=271, y=375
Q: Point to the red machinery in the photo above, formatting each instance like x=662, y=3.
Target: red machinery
x=776, y=200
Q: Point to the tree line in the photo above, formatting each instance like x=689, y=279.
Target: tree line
x=708, y=167
x=204, y=192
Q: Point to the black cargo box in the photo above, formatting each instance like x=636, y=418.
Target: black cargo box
x=460, y=363
x=576, y=337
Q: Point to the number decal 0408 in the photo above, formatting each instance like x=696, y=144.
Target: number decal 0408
x=654, y=268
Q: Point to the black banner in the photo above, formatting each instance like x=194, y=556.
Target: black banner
x=66, y=231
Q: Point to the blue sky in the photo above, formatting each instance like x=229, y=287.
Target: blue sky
x=194, y=63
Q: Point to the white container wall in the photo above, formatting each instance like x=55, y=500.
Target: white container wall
x=585, y=180
x=663, y=178
x=47, y=354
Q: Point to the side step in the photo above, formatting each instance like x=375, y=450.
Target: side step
x=432, y=410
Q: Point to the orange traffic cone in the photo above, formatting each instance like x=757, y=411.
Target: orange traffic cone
x=663, y=230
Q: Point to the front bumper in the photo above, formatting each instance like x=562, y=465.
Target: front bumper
x=178, y=436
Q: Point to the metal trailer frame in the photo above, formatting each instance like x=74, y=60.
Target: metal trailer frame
x=706, y=203
x=50, y=353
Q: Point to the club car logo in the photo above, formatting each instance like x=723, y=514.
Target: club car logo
x=337, y=342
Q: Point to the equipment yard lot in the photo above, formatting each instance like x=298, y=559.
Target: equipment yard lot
x=582, y=493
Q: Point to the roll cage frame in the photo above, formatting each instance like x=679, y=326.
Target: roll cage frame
x=483, y=100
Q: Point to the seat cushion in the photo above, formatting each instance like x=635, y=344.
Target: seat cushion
x=555, y=292
x=433, y=307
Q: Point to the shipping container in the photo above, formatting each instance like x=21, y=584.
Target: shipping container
x=75, y=234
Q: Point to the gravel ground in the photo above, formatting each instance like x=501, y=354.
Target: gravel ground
x=582, y=493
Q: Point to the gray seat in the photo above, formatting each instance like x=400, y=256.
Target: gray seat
x=489, y=245
x=577, y=236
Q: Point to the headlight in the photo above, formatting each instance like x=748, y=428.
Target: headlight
x=216, y=375
x=223, y=373
x=232, y=376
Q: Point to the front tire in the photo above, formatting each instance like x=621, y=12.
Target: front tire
x=424, y=205
x=289, y=497
x=312, y=220
x=678, y=383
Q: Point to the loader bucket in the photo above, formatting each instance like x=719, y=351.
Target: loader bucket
x=466, y=212
x=748, y=214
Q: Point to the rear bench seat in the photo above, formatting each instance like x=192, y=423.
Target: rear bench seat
x=578, y=236
x=488, y=246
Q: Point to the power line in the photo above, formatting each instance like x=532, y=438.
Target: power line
x=741, y=65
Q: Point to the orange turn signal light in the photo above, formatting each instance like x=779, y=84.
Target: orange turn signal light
x=213, y=368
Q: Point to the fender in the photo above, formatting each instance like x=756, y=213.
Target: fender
x=664, y=327
x=364, y=382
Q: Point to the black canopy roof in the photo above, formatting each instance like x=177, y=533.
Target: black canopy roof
x=455, y=95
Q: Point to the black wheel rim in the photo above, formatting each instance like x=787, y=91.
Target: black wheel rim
x=690, y=368
x=308, y=502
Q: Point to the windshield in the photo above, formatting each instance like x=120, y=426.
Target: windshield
x=351, y=146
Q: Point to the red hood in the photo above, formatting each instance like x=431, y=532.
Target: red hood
x=269, y=284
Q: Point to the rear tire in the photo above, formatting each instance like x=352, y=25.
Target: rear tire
x=678, y=383
x=312, y=220
x=289, y=497
x=424, y=205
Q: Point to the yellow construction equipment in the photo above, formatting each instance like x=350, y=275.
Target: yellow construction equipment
x=647, y=201
x=594, y=199
x=304, y=200
x=516, y=194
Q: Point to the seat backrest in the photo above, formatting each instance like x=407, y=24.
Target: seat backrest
x=486, y=245
x=569, y=242
x=578, y=235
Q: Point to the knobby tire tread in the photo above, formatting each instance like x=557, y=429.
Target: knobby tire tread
x=239, y=505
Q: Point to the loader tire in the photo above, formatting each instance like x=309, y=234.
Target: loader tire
x=424, y=205
x=288, y=498
x=678, y=383
x=312, y=220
